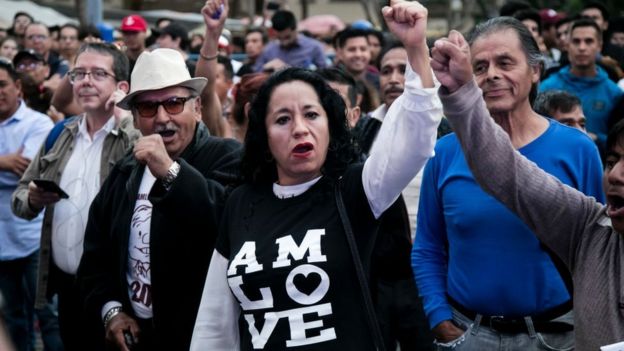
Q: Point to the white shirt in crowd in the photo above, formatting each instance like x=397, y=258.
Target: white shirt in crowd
x=81, y=181
x=139, y=274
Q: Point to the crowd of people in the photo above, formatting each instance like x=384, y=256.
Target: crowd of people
x=354, y=189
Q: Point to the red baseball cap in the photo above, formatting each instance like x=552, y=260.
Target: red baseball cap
x=550, y=16
x=133, y=23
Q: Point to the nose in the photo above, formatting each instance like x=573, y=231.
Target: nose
x=299, y=126
x=615, y=175
x=492, y=72
x=85, y=81
x=395, y=76
x=161, y=115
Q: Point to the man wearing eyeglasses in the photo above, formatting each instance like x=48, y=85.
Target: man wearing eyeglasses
x=77, y=155
x=153, y=224
x=37, y=37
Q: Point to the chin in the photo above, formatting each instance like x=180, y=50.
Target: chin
x=497, y=108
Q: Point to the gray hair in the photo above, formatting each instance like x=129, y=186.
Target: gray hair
x=497, y=24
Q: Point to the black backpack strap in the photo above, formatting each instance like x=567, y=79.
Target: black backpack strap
x=359, y=269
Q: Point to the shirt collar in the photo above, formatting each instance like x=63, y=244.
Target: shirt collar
x=106, y=128
x=296, y=43
x=286, y=191
x=19, y=114
x=380, y=112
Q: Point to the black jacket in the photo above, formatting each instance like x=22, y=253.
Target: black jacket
x=184, y=226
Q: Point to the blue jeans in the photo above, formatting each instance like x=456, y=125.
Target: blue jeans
x=18, y=282
x=478, y=337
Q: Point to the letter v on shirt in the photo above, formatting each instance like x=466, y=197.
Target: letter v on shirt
x=246, y=258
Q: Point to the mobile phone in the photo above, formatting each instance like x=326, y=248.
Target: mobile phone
x=129, y=339
x=273, y=6
x=51, y=186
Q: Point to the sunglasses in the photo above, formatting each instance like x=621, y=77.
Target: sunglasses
x=173, y=106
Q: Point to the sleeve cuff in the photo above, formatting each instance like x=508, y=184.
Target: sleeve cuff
x=416, y=98
x=439, y=315
x=107, y=306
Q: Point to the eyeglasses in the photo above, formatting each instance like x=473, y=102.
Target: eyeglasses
x=173, y=105
x=97, y=75
x=22, y=67
x=36, y=37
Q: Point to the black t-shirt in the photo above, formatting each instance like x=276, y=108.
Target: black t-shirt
x=290, y=267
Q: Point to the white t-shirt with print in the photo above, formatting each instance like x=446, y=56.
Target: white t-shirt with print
x=139, y=274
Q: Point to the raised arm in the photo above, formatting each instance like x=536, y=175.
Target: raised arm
x=214, y=18
x=63, y=99
x=558, y=214
x=408, y=134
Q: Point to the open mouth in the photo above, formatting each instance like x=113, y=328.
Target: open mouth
x=303, y=148
x=167, y=133
x=615, y=201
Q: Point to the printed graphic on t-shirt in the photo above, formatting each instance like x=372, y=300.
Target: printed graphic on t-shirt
x=305, y=284
x=139, y=273
x=139, y=256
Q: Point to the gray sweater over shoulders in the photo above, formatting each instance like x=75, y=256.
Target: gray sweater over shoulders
x=570, y=223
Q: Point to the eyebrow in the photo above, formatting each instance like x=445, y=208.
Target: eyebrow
x=286, y=109
x=390, y=65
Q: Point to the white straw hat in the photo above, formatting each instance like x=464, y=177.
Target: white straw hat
x=159, y=69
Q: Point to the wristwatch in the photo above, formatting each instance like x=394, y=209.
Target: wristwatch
x=171, y=175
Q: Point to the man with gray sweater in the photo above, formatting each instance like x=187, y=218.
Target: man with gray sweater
x=585, y=234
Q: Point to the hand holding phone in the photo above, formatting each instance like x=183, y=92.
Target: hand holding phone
x=129, y=339
x=50, y=186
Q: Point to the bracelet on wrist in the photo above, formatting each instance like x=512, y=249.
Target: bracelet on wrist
x=171, y=175
x=206, y=57
x=111, y=314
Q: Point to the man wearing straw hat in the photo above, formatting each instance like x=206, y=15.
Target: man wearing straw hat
x=152, y=227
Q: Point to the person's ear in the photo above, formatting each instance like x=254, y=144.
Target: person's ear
x=197, y=108
x=123, y=86
x=247, y=108
x=355, y=115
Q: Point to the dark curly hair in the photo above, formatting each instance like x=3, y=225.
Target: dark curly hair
x=258, y=164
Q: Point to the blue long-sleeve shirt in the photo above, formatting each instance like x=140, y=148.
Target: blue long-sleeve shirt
x=26, y=129
x=459, y=249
